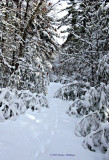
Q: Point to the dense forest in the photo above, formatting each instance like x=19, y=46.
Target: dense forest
x=27, y=48
x=84, y=68
x=31, y=59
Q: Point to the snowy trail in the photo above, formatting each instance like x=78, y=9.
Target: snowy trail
x=47, y=135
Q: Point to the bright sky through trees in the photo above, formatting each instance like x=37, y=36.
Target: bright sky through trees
x=56, y=12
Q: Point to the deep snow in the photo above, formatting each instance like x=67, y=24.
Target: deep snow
x=45, y=135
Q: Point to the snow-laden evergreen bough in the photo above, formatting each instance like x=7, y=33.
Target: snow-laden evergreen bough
x=94, y=109
x=14, y=102
x=98, y=139
x=72, y=91
x=88, y=102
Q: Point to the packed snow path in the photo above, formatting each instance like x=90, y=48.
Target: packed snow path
x=47, y=135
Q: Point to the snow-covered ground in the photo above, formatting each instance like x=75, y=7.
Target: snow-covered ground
x=47, y=135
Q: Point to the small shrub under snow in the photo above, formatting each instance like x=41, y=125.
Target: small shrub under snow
x=72, y=91
x=93, y=107
x=88, y=103
x=98, y=139
x=89, y=123
x=14, y=102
